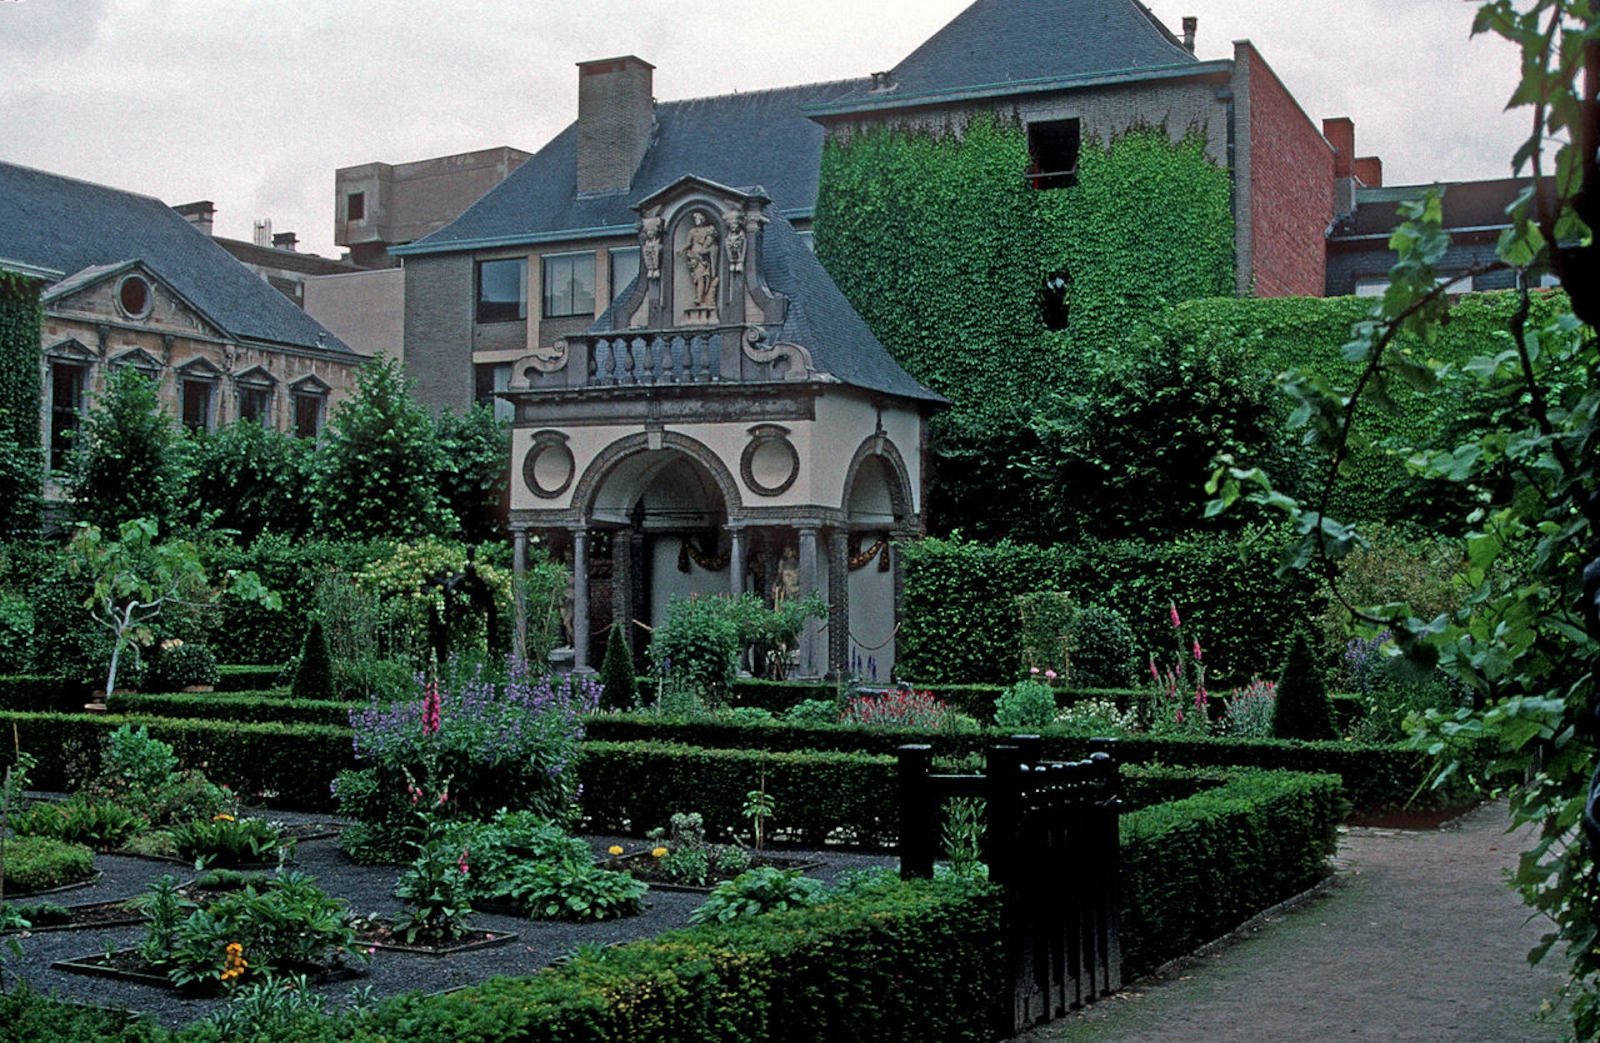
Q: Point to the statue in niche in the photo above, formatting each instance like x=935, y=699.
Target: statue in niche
x=735, y=222
x=650, y=229
x=700, y=255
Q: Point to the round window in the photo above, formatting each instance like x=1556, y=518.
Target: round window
x=134, y=295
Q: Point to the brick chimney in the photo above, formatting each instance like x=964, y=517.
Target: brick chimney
x=1190, y=24
x=616, y=115
x=1369, y=171
x=200, y=214
x=1341, y=134
x=285, y=241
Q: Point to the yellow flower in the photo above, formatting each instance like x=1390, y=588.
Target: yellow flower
x=233, y=961
x=224, y=817
x=659, y=852
x=614, y=849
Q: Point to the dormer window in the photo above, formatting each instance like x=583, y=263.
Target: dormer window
x=1053, y=153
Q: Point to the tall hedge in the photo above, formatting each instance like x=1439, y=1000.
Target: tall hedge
x=960, y=622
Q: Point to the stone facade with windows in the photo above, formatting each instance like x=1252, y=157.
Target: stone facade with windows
x=131, y=283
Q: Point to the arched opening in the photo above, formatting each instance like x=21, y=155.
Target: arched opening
x=874, y=506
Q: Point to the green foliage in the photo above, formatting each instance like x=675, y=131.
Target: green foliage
x=102, y=825
x=1302, y=709
x=958, y=624
x=182, y=664
x=475, y=466
x=1105, y=653
x=1046, y=624
x=697, y=646
x=619, y=688
x=130, y=463
x=250, y=478
x=43, y=863
x=16, y=633
x=571, y=887
x=437, y=886
x=377, y=471
x=20, y=320
x=1025, y=705
x=27, y=1017
x=21, y=472
x=313, y=678
x=230, y=842
x=765, y=890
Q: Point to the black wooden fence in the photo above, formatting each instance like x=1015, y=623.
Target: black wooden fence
x=1051, y=843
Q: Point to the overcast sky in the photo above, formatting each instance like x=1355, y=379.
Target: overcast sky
x=254, y=103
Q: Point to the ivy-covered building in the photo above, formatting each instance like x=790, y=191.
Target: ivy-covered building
x=130, y=283
x=700, y=407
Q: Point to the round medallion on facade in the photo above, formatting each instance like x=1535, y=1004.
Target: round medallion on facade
x=548, y=467
x=135, y=297
x=770, y=463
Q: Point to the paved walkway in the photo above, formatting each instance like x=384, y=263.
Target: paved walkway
x=1416, y=940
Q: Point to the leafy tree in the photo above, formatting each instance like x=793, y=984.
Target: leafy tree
x=131, y=462
x=475, y=467
x=135, y=578
x=377, y=475
x=250, y=478
x=21, y=472
x=1526, y=639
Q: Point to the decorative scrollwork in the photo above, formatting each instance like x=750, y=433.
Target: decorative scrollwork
x=798, y=358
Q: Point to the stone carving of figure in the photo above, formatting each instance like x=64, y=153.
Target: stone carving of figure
x=700, y=255
x=735, y=221
x=650, y=226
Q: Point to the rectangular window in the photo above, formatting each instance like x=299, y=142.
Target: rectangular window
x=308, y=412
x=1053, y=153
x=624, y=269
x=568, y=285
x=489, y=378
x=67, y=384
x=356, y=206
x=198, y=399
x=502, y=290
x=255, y=403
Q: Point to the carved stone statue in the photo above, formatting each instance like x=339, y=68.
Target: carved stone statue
x=650, y=228
x=700, y=255
x=735, y=244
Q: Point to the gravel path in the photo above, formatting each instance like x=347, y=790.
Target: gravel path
x=1416, y=940
x=368, y=890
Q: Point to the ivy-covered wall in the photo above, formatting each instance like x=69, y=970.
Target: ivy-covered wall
x=942, y=245
x=20, y=319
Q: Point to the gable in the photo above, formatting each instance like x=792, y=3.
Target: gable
x=131, y=294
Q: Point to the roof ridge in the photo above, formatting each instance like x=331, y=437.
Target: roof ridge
x=98, y=186
x=846, y=81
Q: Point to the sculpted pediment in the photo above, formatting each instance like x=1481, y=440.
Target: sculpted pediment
x=129, y=293
x=700, y=259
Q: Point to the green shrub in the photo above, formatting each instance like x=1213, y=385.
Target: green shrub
x=229, y=842
x=765, y=890
x=1026, y=704
x=80, y=819
x=619, y=689
x=313, y=678
x=182, y=665
x=1105, y=653
x=1302, y=709
x=574, y=888
x=16, y=633
x=696, y=646
x=44, y=863
x=27, y=1017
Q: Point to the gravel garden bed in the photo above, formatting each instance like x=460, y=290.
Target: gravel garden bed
x=368, y=890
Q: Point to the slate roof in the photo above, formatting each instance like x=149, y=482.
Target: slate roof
x=997, y=42
x=67, y=225
x=1463, y=204
x=819, y=318
x=759, y=137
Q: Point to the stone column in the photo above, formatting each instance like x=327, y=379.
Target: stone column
x=811, y=646
x=622, y=583
x=735, y=561
x=580, y=602
x=838, y=603
x=519, y=574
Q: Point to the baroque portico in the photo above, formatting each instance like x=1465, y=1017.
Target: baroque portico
x=728, y=425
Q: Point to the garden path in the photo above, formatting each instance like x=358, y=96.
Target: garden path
x=1416, y=939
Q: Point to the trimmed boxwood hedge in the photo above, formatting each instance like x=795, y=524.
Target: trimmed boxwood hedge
x=293, y=762
x=1375, y=776
x=264, y=707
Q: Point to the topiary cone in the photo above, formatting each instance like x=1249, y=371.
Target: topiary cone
x=313, y=679
x=1302, y=709
x=620, y=689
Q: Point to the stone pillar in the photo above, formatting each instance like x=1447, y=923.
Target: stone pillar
x=838, y=603
x=622, y=583
x=519, y=574
x=580, y=602
x=812, y=651
x=735, y=561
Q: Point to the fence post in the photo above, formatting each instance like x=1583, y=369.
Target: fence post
x=917, y=812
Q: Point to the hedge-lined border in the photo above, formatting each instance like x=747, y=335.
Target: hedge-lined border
x=270, y=707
